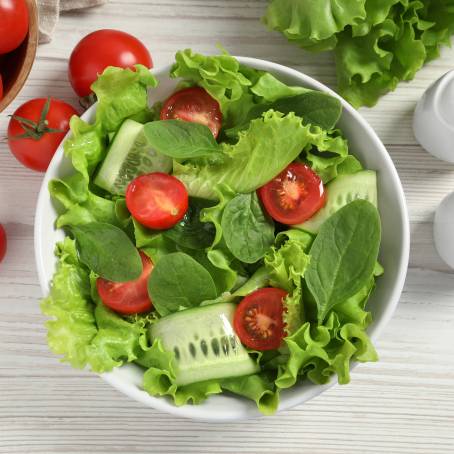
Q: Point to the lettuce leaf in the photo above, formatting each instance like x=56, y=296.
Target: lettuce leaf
x=82, y=329
x=237, y=88
x=122, y=93
x=286, y=264
x=258, y=388
x=313, y=24
x=262, y=151
x=318, y=351
x=377, y=43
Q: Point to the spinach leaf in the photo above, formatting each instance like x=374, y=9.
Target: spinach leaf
x=191, y=232
x=107, y=251
x=248, y=232
x=343, y=255
x=181, y=139
x=179, y=282
x=315, y=108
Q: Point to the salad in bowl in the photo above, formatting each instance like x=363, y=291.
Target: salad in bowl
x=221, y=239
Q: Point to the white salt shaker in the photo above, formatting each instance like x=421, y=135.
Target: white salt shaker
x=433, y=121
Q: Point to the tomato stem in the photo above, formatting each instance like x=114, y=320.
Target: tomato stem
x=35, y=130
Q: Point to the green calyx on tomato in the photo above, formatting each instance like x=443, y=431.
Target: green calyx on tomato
x=35, y=129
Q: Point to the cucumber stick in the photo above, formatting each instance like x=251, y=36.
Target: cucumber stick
x=128, y=157
x=341, y=191
x=204, y=344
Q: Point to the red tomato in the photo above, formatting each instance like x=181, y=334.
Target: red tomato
x=258, y=319
x=13, y=24
x=295, y=195
x=2, y=243
x=157, y=200
x=127, y=297
x=100, y=49
x=195, y=105
x=36, y=130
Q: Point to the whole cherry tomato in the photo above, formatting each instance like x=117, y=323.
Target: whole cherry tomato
x=100, y=49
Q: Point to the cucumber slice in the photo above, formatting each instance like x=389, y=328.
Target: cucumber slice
x=341, y=191
x=204, y=343
x=128, y=157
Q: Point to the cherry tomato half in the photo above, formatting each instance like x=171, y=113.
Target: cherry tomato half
x=258, y=319
x=36, y=129
x=127, y=297
x=3, y=242
x=295, y=195
x=13, y=24
x=195, y=105
x=100, y=49
x=157, y=200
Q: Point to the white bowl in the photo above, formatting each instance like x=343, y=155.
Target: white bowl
x=365, y=144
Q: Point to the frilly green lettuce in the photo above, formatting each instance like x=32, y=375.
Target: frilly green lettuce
x=82, y=329
x=262, y=151
x=286, y=264
x=377, y=43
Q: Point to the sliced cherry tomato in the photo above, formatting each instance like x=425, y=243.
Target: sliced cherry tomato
x=258, y=319
x=2, y=243
x=157, y=200
x=195, y=105
x=127, y=297
x=13, y=24
x=295, y=195
x=100, y=49
x=36, y=130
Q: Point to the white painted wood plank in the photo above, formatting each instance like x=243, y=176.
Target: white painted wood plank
x=403, y=404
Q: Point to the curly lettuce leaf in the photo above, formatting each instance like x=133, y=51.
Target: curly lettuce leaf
x=237, y=88
x=122, y=93
x=286, y=264
x=262, y=151
x=82, y=330
x=222, y=77
x=319, y=351
x=377, y=44
x=258, y=388
x=313, y=24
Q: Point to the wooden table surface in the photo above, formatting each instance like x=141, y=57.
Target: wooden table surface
x=403, y=404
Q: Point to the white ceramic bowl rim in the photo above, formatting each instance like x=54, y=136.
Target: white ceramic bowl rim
x=222, y=408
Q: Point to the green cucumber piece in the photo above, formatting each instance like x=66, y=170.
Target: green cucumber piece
x=129, y=156
x=341, y=191
x=204, y=343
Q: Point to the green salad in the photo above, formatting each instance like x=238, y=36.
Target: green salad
x=222, y=239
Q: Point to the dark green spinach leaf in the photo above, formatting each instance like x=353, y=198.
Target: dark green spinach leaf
x=177, y=282
x=247, y=230
x=343, y=255
x=107, y=251
x=191, y=232
x=181, y=139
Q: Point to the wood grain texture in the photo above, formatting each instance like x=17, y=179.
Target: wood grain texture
x=403, y=404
